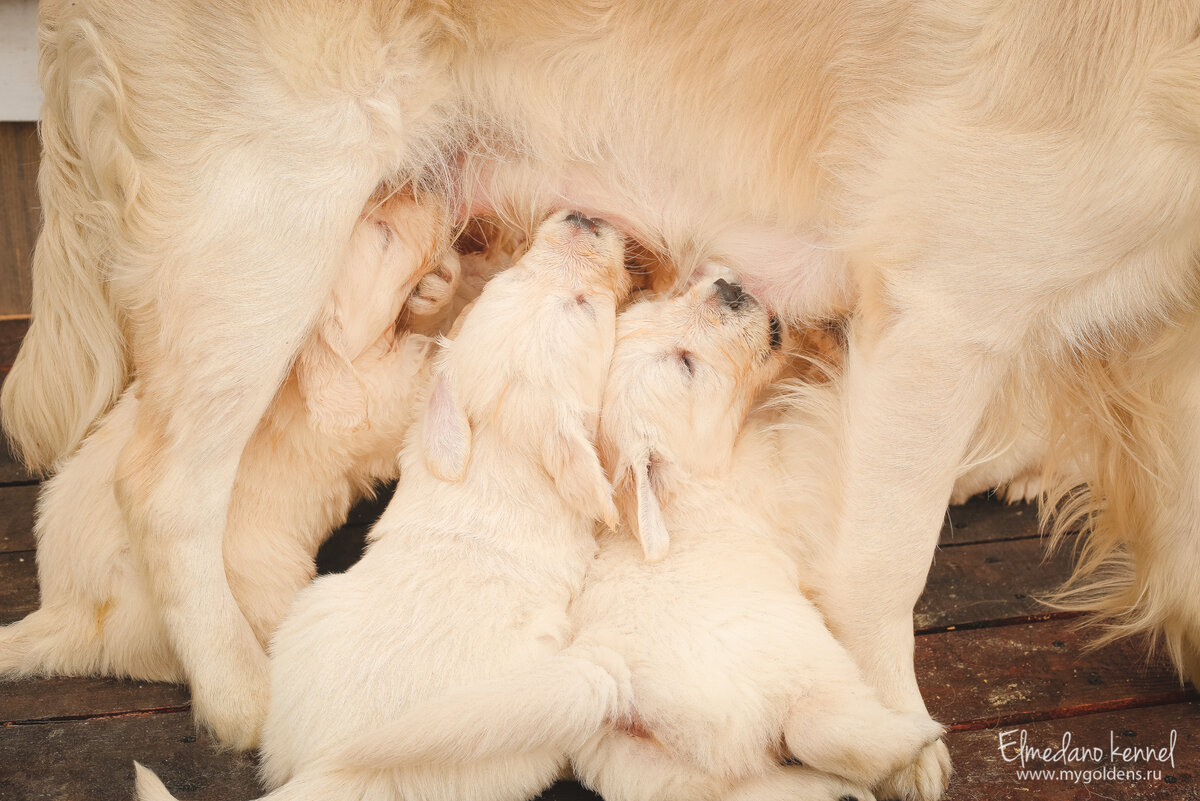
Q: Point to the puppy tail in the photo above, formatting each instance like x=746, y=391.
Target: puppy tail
x=306, y=788
x=40, y=644
x=556, y=704
x=87, y=186
x=149, y=787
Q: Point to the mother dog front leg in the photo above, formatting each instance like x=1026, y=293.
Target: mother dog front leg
x=210, y=353
x=913, y=398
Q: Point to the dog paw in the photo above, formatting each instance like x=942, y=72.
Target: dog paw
x=846, y=731
x=615, y=670
x=923, y=780
x=1024, y=488
x=434, y=292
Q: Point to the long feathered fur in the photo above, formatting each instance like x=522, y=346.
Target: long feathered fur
x=991, y=187
x=87, y=182
x=1138, y=547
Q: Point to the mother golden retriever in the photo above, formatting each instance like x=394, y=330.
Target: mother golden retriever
x=1006, y=196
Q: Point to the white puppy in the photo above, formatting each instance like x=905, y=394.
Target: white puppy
x=732, y=669
x=487, y=539
x=1002, y=191
x=333, y=431
x=732, y=666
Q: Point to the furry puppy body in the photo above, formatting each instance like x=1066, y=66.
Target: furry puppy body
x=333, y=431
x=731, y=668
x=999, y=191
x=474, y=562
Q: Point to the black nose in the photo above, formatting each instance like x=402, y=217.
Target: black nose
x=575, y=218
x=732, y=295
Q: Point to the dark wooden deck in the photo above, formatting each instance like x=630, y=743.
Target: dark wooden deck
x=991, y=659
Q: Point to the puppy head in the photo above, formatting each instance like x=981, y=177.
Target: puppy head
x=530, y=359
x=684, y=374
x=396, y=243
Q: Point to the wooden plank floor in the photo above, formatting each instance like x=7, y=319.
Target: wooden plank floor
x=992, y=661
x=19, y=214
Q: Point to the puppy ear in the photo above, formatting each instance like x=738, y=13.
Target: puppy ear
x=570, y=457
x=327, y=381
x=447, y=434
x=651, y=527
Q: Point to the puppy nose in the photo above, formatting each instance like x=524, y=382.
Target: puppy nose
x=776, y=331
x=577, y=219
x=731, y=295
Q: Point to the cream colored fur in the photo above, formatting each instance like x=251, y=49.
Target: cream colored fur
x=473, y=563
x=332, y=432
x=999, y=191
x=731, y=668
x=1137, y=565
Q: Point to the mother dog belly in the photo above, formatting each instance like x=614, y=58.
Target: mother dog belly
x=796, y=270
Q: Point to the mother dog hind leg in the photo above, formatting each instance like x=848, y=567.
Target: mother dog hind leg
x=913, y=399
x=1137, y=570
x=1175, y=545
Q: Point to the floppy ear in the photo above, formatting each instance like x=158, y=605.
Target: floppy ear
x=570, y=457
x=651, y=528
x=447, y=434
x=327, y=380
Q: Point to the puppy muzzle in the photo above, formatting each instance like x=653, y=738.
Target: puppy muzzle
x=732, y=295
x=586, y=223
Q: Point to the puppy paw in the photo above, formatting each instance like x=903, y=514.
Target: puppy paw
x=849, y=733
x=434, y=292
x=615, y=672
x=924, y=779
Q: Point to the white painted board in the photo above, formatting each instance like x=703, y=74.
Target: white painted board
x=20, y=97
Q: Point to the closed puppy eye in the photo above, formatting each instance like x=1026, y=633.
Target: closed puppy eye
x=688, y=361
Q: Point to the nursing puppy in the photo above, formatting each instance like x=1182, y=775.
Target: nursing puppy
x=732, y=669
x=332, y=432
x=1000, y=191
x=486, y=541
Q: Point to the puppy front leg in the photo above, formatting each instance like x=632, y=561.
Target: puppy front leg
x=913, y=398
